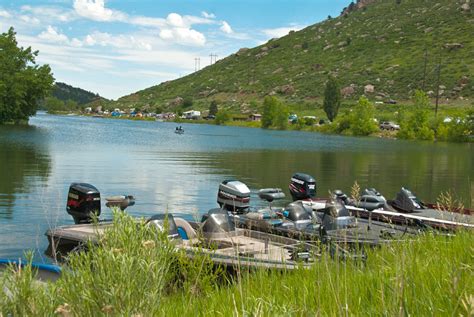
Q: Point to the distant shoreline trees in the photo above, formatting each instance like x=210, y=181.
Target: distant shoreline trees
x=23, y=83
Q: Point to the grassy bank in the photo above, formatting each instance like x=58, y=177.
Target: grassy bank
x=134, y=271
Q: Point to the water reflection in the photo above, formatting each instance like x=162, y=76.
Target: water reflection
x=181, y=173
x=24, y=164
x=426, y=173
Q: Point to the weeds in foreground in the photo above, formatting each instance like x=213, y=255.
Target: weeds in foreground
x=447, y=201
x=135, y=270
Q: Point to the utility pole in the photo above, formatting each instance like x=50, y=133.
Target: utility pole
x=424, y=70
x=438, y=75
x=197, y=64
x=215, y=58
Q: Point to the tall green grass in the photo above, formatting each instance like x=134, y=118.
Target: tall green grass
x=135, y=270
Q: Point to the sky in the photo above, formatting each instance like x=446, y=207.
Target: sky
x=117, y=47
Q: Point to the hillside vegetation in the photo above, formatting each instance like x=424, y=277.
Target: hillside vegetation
x=66, y=98
x=65, y=92
x=382, y=44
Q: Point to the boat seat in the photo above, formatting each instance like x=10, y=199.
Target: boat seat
x=122, y=201
x=189, y=231
x=271, y=194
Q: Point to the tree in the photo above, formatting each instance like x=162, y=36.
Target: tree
x=275, y=113
x=213, y=108
x=223, y=116
x=268, y=113
x=332, y=98
x=53, y=105
x=362, y=118
x=187, y=103
x=23, y=83
x=415, y=124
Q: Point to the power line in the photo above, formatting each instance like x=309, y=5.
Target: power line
x=197, y=64
x=215, y=58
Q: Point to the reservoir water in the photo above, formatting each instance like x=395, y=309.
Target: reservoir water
x=181, y=173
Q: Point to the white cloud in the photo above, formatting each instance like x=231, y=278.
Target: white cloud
x=225, y=27
x=49, y=14
x=52, y=35
x=29, y=20
x=5, y=14
x=96, y=10
x=281, y=31
x=175, y=20
x=178, y=30
x=208, y=15
x=147, y=21
x=119, y=41
x=182, y=35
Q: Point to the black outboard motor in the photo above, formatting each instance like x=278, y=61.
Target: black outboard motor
x=218, y=221
x=165, y=222
x=340, y=195
x=83, y=202
x=302, y=186
x=406, y=201
x=233, y=196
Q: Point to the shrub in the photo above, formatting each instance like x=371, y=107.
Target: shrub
x=414, y=124
x=275, y=113
x=361, y=119
x=222, y=117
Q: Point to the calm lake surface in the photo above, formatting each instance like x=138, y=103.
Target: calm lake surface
x=181, y=173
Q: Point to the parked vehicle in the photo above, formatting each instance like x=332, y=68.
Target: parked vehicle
x=387, y=125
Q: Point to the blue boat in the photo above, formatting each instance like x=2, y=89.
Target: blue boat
x=44, y=272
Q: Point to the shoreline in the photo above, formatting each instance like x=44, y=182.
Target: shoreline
x=382, y=134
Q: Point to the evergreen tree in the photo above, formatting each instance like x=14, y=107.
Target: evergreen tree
x=23, y=83
x=213, y=108
x=268, y=111
x=332, y=98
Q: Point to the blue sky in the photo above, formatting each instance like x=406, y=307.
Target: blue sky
x=117, y=47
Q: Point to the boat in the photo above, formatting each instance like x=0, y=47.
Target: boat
x=179, y=130
x=330, y=223
x=43, y=272
x=217, y=236
x=405, y=209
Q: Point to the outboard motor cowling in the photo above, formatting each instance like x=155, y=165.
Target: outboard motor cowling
x=296, y=212
x=164, y=222
x=340, y=195
x=406, y=201
x=233, y=196
x=218, y=221
x=83, y=202
x=336, y=216
x=302, y=186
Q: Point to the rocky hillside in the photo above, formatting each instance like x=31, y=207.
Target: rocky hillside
x=376, y=47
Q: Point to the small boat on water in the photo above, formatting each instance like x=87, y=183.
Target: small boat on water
x=44, y=272
x=179, y=130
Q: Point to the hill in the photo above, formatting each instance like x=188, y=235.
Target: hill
x=65, y=92
x=382, y=48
